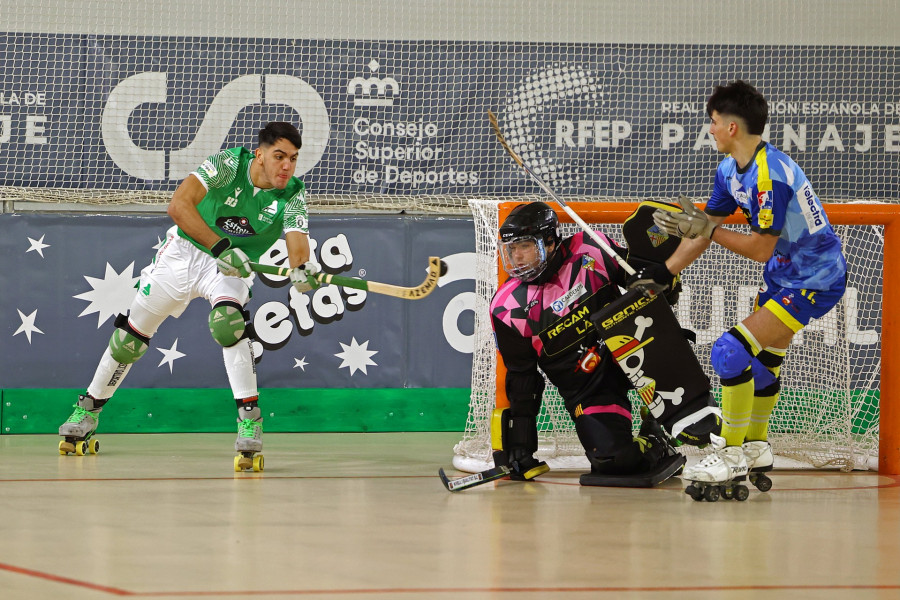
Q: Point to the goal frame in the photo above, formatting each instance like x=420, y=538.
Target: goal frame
x=887, y=215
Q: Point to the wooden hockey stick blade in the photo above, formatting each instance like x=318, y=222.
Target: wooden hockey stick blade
x=436, y=268
x=495, y=125
x=470, y=481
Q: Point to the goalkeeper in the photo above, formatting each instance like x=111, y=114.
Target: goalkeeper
x=540, y=318
x=226, y=213
x=803, y=278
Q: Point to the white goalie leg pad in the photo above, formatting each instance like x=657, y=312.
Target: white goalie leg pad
x=241, y=368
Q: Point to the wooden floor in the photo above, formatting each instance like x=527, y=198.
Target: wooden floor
x=364, y=516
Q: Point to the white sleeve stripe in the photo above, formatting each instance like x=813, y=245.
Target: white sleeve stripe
x=197, y=175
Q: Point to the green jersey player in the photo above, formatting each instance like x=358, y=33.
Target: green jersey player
x=226, y=213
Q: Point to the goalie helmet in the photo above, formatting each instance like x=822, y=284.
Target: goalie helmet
x=524, y=237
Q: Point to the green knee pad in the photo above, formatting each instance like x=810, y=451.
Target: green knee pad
x=125, y=347
x=227, y=324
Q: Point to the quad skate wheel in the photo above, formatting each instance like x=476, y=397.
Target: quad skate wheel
x=694, y=492
x=242, y=462
x=258, y=463
x=94, y=446
x=727, y=493
x=711, y=494
x=81, y=448
x=66, y=447
x=741, y=493
x=762, y=482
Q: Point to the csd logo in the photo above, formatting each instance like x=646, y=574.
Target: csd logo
x=244, y=91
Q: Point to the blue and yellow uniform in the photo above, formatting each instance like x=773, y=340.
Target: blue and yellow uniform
x=806, y=275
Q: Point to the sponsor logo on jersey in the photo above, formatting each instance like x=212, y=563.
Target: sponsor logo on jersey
x=811, y=208
x=531, y=304
x=568, y=298
x=272, y=209
x=764, y=200
x=209, y=168
x=236, y=226
x=569, y=330
x=588, y=262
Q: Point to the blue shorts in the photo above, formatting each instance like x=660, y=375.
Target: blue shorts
x=795, y=308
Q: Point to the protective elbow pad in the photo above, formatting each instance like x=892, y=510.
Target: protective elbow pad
x=227, y=323
x=127, y=345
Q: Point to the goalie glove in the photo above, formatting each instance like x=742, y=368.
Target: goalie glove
x=652, y=280
x=690, y=223
x=303, y=277
x=232, y=262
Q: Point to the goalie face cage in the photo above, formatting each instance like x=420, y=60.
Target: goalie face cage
x=829, y=414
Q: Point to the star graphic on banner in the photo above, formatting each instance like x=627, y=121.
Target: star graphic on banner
x=111, y=295
x=37, y=246
x=170, y=355
x=300, y=362
x=159, y=243
x=356, y=356
x=27, y=327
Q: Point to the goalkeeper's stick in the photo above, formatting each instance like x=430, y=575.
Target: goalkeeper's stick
x=436, y=268
x=587, y=229
x=462, y=483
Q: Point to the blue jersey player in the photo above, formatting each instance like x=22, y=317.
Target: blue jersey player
x=804, y=276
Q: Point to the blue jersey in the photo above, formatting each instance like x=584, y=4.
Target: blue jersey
x=777, y=198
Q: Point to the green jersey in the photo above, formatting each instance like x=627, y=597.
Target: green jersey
x=252, y=218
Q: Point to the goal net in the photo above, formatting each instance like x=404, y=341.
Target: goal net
x=828, y=412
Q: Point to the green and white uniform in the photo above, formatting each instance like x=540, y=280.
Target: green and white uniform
x=250, y=217
x=253, y=219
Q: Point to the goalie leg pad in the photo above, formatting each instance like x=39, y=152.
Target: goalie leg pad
x=518, y=441
x=228, y=323
x=127, y=345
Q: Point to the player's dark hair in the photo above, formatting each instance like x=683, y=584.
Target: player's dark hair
x=740, y=99
x=277, y=130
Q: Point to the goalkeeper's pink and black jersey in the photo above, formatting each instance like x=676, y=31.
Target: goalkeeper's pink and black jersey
x=546, y=322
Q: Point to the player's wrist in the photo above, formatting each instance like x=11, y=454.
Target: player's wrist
x=219, y=247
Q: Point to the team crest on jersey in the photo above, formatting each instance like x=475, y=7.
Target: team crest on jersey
x=236, y=226
x=588, y=262
x=568, y=298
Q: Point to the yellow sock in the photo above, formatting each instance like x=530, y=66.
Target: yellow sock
x=763, y=405
x=737, y=403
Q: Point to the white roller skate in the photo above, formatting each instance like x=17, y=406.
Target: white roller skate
x=248, y=444
x=78, y=429
x=718, y=474
x=759, y=461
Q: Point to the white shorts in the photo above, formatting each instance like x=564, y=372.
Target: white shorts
x=179, y=273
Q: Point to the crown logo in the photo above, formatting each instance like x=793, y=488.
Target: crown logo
x=373, y=91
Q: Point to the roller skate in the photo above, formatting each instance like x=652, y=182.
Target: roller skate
x=719, y=474
x=79, y=429
x=248, y=444
x=759, y=462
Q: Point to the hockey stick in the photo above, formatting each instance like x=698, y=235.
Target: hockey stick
x=436, y=269
x=534, y=176
x=470, y=481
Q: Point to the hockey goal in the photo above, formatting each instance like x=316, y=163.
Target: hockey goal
x=836, y=408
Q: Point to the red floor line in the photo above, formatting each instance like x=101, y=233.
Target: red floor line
x=65, y=580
